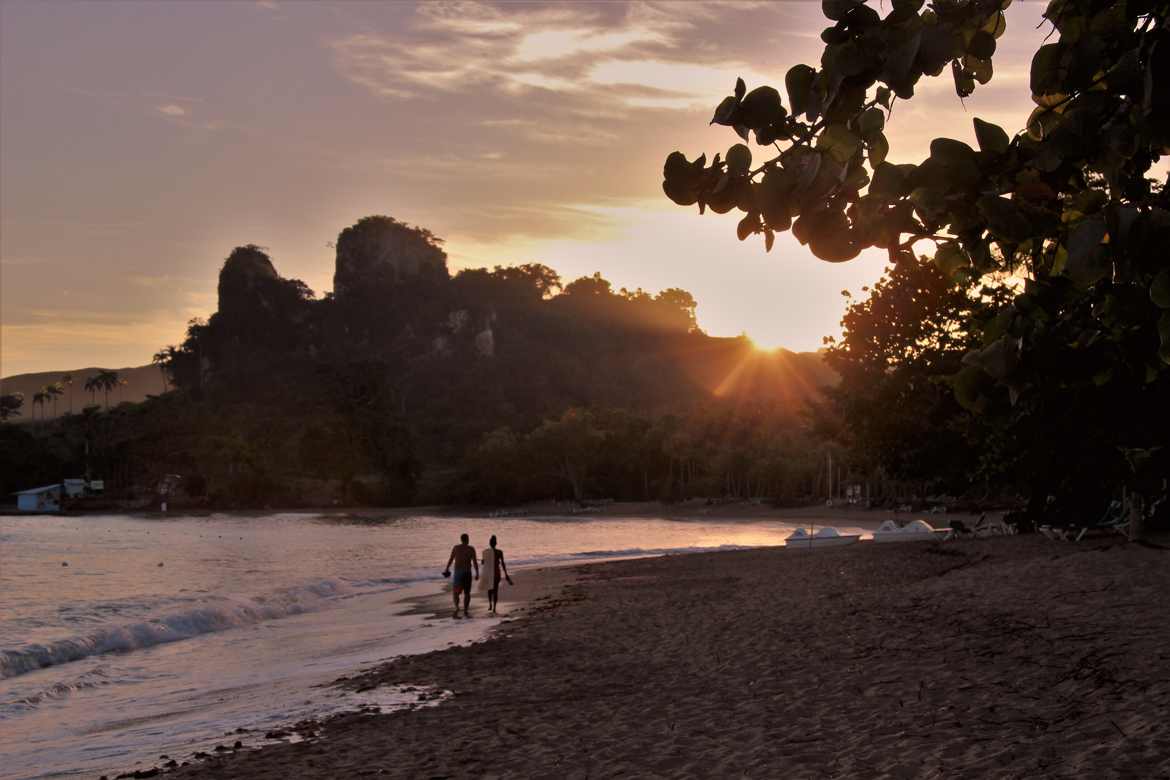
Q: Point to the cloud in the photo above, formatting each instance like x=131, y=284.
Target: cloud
x=563, y=43
x=578, y=49
x=514, y=110
x=181, y=116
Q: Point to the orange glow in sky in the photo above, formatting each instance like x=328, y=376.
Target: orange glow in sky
x=141, y=142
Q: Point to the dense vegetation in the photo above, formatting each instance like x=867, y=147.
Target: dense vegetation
x=407, y=386
x=1057, y=336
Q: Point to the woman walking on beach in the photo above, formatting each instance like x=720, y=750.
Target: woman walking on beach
x=493, y=563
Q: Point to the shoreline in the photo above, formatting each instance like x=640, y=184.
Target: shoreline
x=691, y=510
x=1011, y=656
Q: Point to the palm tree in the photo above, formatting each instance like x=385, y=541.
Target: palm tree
x=39, y=397
x=163, y=359
x=54, y=391
x=67, y=382
x=159, y=360
x=92, y=386
x=107, y=381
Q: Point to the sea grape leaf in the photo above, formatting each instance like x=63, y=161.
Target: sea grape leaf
x=951, y=152
x=878, y=147
x=996, y=25
x=774, y=197
x=725, y=112
x=761, y=107
x=681, y=178
x=1088, y=258
x=870, y=122
x=951, y=259
x=889, y=181
x=856, y=178
x=991, y=138
x=998, y=359
x=1041, y=123
x=739, y=160
x=1048, y=69
x=799, y=83
x=938, y=47
x=840, y=142
x=980, y=70
x=836, y=9
x=981, y=45
x=1005, y=219
x=826, y=232
x=748, y=225
x=804, y=163
x=834, y=247
x=900, y=57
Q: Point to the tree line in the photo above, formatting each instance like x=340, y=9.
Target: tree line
x=104, y=381
x=1051, y=365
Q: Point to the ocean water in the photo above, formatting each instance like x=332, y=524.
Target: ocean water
x=123, y=639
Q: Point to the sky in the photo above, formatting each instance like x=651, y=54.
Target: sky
x=140, y=142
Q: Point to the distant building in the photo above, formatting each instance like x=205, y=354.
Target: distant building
x=40, y=499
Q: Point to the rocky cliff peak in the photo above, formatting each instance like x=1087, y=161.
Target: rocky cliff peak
x=378, y=250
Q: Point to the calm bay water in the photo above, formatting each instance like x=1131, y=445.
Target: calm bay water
x=123, y=638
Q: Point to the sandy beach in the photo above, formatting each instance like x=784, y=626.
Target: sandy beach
x=1005, y=657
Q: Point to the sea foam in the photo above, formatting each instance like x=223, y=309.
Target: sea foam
x=219, y=614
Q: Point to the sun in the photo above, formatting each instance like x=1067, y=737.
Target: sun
x=763, y=343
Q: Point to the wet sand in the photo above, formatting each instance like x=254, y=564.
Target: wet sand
x=1004, y=657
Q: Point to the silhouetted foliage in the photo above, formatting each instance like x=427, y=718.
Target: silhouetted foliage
x=10, y=406
x=1076, y=358
x=493, y=385
x=899, y=349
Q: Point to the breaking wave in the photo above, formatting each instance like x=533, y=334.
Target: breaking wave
x=220, y=614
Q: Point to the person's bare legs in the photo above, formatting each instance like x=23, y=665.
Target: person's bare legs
x=467, y=602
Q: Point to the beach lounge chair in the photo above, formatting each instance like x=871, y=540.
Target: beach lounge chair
x=959, y=530
x=992, y=526
x=1053, y=532
x=1114, y=520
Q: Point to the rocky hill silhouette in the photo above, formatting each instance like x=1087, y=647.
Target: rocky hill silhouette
x=396, y=386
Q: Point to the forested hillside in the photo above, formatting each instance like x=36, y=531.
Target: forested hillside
x=407, y=385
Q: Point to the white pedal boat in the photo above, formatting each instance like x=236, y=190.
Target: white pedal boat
x=914, y=531
x=828, y=536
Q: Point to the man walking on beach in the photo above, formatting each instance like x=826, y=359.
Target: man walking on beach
x=463, y=556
